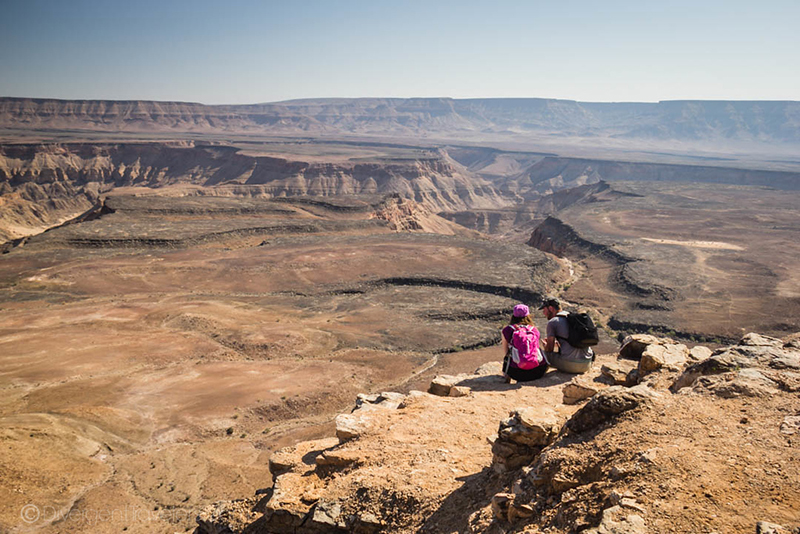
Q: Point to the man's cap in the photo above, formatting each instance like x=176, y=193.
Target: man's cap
x=550, y=301
x=520, y=310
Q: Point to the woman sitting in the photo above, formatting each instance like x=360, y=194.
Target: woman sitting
x=523, y=360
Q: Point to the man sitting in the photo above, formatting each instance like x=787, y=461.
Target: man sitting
x=568, y=359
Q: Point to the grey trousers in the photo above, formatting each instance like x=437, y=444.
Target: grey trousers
x=568, y=366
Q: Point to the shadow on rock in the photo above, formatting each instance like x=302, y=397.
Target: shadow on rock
x=458, y=510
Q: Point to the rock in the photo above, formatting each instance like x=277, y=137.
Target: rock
x=649, y=456
x=282, y=461
x=352, y=425
x=757, y=340
x=745, y=383
x=633, y=346
x=367, y=522
x=413, y=396
x=762, y=527
x=616, y=521
x=561, y=483
x=227, y=517
x=328, y=514
x=500, y=504
x=669, y=356
x=616, y=497
x=631, y=503
x=531, y=426
x=387, y=399
x=490, y=368
x=522, y=436
x=724, y=362
x=579, y=389
x=371, y=398
x=522, y=511
x=790, y=425
x=633, y=378
x=609, y=403
x=699, y=353
x=617, y=373
x=459, y=391
x=505, y=509
x=441, y=385
x=786, y=361
x=339, y=459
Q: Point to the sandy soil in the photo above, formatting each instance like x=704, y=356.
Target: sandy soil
x=139, y=384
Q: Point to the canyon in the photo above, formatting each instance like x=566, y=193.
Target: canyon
x=187, y=289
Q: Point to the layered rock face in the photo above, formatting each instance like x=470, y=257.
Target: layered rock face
x=72, y=176
x=678, y=120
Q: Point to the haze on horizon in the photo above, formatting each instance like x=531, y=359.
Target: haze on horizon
x=248, y=51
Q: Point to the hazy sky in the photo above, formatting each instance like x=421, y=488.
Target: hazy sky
x=250, y=51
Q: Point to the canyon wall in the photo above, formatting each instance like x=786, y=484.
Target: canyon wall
x=708, y=121
x=35, y=180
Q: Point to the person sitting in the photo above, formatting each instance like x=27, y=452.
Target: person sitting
x=534, y=365
x=568, y=359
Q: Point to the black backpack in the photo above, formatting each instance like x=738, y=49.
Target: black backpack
x=582, y=331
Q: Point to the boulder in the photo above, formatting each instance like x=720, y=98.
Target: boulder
x=579, y=389
x=327, y=516
x=609, y=403
x=616, y=373
x=633, y=346
x=442, y=384
x=459, y=391
x=757, y=340
x=352, y=425
x=744, y=383
x=724, y=362
x=667, y=356
x=699, y=353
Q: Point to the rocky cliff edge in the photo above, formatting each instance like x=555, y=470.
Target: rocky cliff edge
x=656, y=438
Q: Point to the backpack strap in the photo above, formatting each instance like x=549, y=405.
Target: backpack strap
x=563, y=314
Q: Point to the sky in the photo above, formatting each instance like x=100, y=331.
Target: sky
x=248, y=51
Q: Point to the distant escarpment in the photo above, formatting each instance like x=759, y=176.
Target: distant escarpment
x=44, y=183
x=550, y=174
x=754, y=121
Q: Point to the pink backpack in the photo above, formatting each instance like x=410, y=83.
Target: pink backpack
x=524, y=347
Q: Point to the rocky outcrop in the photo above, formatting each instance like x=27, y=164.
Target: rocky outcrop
x=756, y=367
x=606, y=468
x=404, y=215
x=522, y=436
